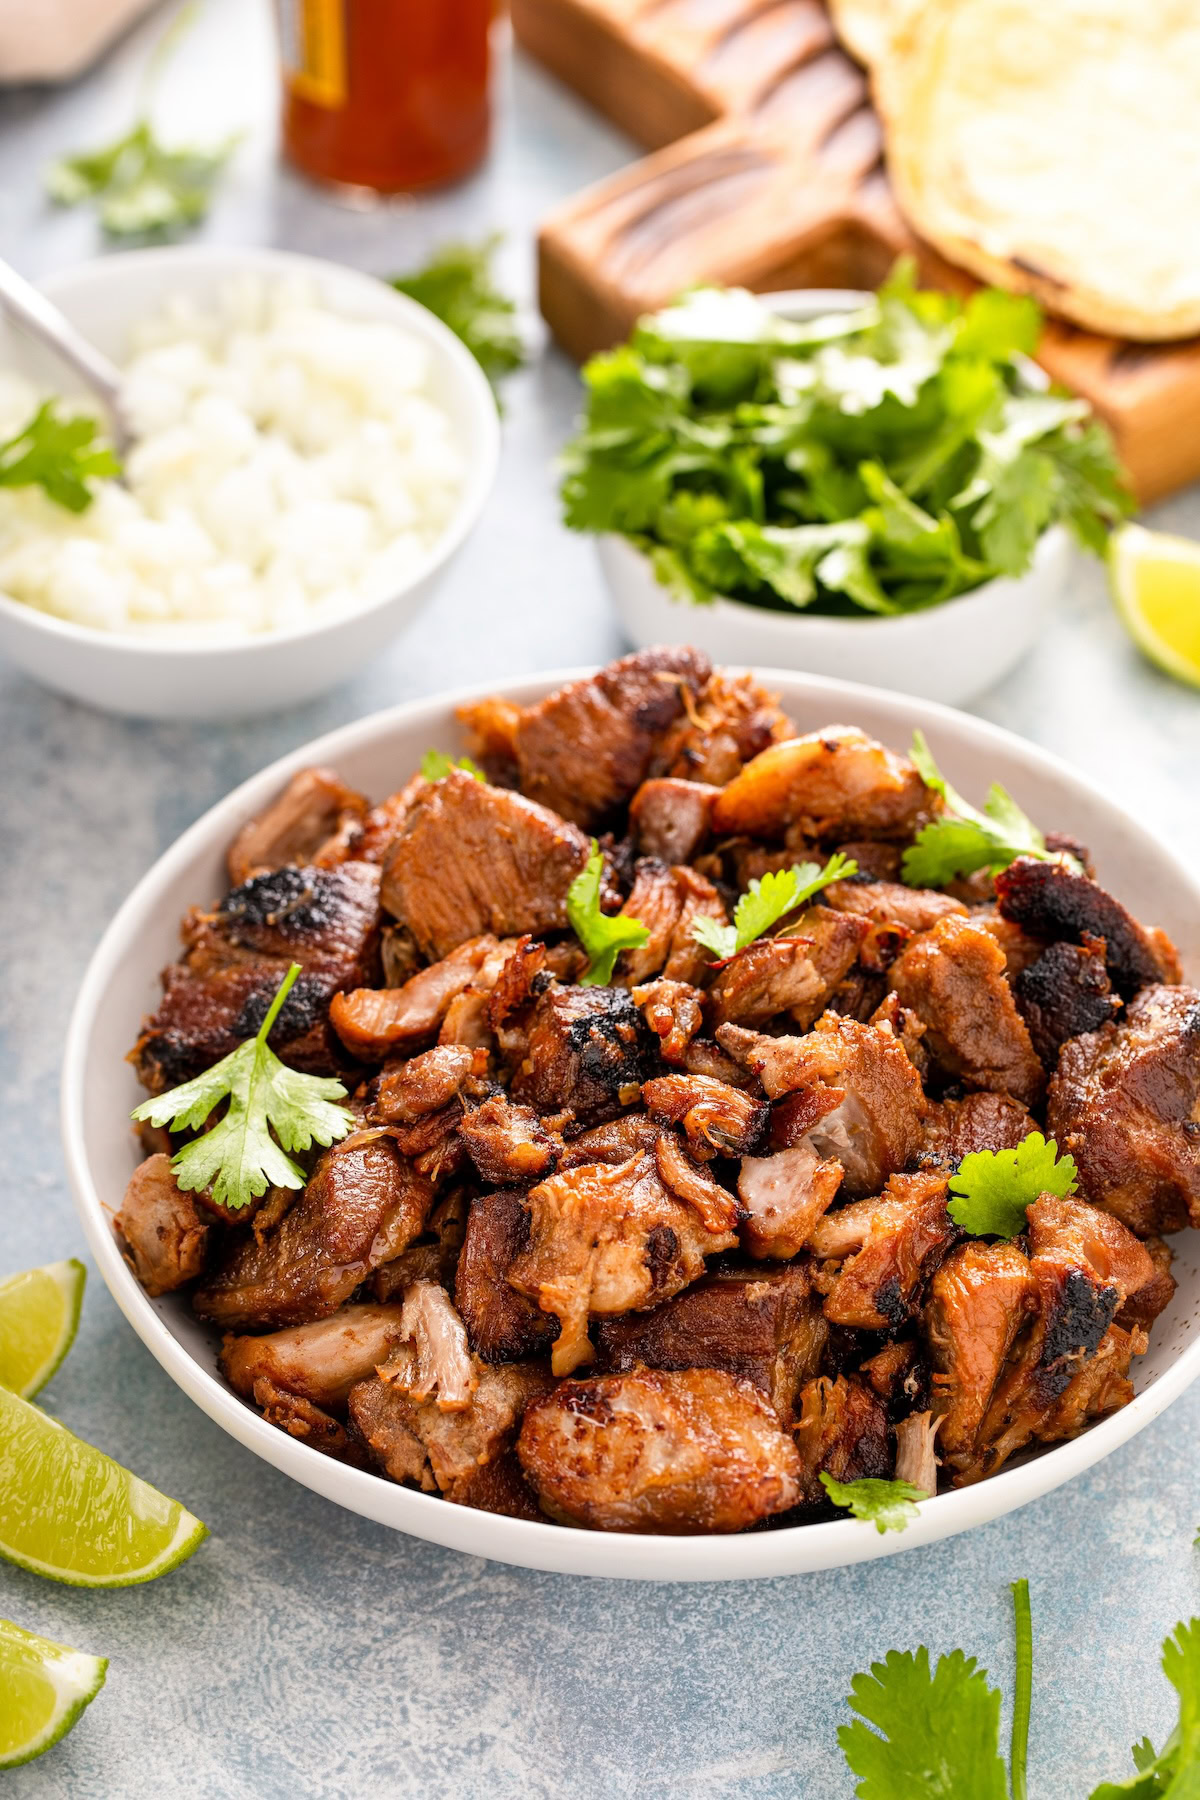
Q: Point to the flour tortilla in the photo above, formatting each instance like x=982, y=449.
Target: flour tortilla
x=1053, y=147
x=870, y=28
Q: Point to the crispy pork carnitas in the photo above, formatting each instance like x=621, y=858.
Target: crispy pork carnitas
x=686, y=1128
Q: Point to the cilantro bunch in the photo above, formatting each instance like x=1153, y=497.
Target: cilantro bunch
x=883, y=460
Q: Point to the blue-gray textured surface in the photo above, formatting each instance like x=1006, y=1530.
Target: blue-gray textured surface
x=304, y=1651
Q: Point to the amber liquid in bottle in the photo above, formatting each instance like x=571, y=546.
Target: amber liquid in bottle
x=385, y=95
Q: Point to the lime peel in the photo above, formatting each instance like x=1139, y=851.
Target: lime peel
x=1155, y=580
x=39, y=1316
x=44, y=1686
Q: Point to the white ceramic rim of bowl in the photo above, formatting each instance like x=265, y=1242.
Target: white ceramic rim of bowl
x=566, y=1549
x=483, y=456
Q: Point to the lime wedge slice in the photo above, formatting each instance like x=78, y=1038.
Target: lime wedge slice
x=1156, y=585
x=39, y=1316
x=43, y=1689
x=70, y=1512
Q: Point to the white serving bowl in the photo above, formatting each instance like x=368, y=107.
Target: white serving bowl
x=949, y=652
x=124, y=673
x=99, y=1089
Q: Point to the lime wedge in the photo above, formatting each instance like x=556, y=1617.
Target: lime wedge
x=1156, y=585
x=43, y=1689
x=70, y=1512
x=39, y=1316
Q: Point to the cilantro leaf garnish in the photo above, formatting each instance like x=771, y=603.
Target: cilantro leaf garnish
x=603, y=935
x=143, y=188
x=59, y=455
x=993, y=1187
x=936, y=1733
x=888, y=1505
x=437, y=764
x=1172, y=1774
x=238, y=1158
x=964, y=839
x=769, y=899
x=457, y=285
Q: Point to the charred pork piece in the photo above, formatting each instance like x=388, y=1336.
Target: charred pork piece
x=1021, y=950
x=669, y=818
x=364, y=1205
x=612, y=1143
x=904, y=1026
x=433, y=1256
x=314, y=822
x=896, y=1373
x=862, y=1093
x=1084, y=1266
x=235, y=957
x=414, y=1440
x=520, y=974
x=732, y=720
x=674, y=1011
x=161, y=1229
x=606, y=1239
x=502, y=1325
x=319, y=1362
x=759, y=1325
x=308, y=1423
x=843, y=1430
x=372, y=1022
x=718, y=1120
x=1063, y=994
x=1052, y=901
x=796, y=974
x=831, y=784
x=1143, y=1306
x=471, y=858
x=674, y=1451
x=586, y=749
x=508, y=1144
x=667, y=902
x=890, y=903
x=783, y=1196
x=491, y=727
x=887, y=1247
x=705, y=1057
x=979, y=1301
x=1125, y=1102
x=958, y=1128
x=500, y=1486
x=409, y=1091
x=691, y=1182
x=589, y=1051
x=952, y=977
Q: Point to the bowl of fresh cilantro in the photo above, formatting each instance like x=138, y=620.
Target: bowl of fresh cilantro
x=881, y=487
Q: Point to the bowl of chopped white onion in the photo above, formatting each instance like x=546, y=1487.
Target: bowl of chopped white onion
x=311, y=448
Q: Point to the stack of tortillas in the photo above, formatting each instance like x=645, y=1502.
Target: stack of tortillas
x=1050, y=146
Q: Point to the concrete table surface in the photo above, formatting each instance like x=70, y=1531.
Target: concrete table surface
x=304, y=1651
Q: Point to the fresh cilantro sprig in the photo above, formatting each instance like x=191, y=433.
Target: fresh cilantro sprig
x=437, y=764
x=963, y=839
x=992, y=1188
x=888, y=1505
x=58, y=454
x=767, y=900
x=1174, y=1772
x=143, y=188
x=239, y=1159
x=603, y=935
x=458, y=286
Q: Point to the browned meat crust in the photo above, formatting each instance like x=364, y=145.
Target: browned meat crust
x=502, y=1324
x=887, y=1248
x=796, y=974
x=1063, y=994
x=588, y=1053
x=471, y=859
x=161, y=1230
x=319, y=1362
x=891, y=903
x=983, y=1121
x=674, y=1011
x=311, y=1424
x=1125, y=1103
x=315, y=821
x=1051, y=900
x=408, y=1091
x=979, y=1300
x=373, y=1022
x=682, y=1451
x=669, y=818
x=952, y=977
x=843, y=1430
x=732, y=720
x=831, y=784
x=364, y=1204
x=760, y=1325
x=718, y=1120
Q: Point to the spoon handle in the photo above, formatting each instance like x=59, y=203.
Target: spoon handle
x=29, y=307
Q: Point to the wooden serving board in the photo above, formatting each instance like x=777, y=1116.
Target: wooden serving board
x=767, y=172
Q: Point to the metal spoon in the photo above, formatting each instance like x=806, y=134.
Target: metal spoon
x=29, y=307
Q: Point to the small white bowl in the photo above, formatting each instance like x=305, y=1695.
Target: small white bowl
x=124, y=673
x=99, y=1089
x=949, y=652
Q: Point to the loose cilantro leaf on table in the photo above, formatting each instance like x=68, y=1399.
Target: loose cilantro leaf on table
x=883, y=460
x=888, y=1505
x=962, y=839
x=457, y=285
x=238, y=1158
x=993, y=1187
x=936, y=1733
x=603, y=935
x=769, y=899
x=437, y=764
x=1174, y=1773
x=58, y=454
